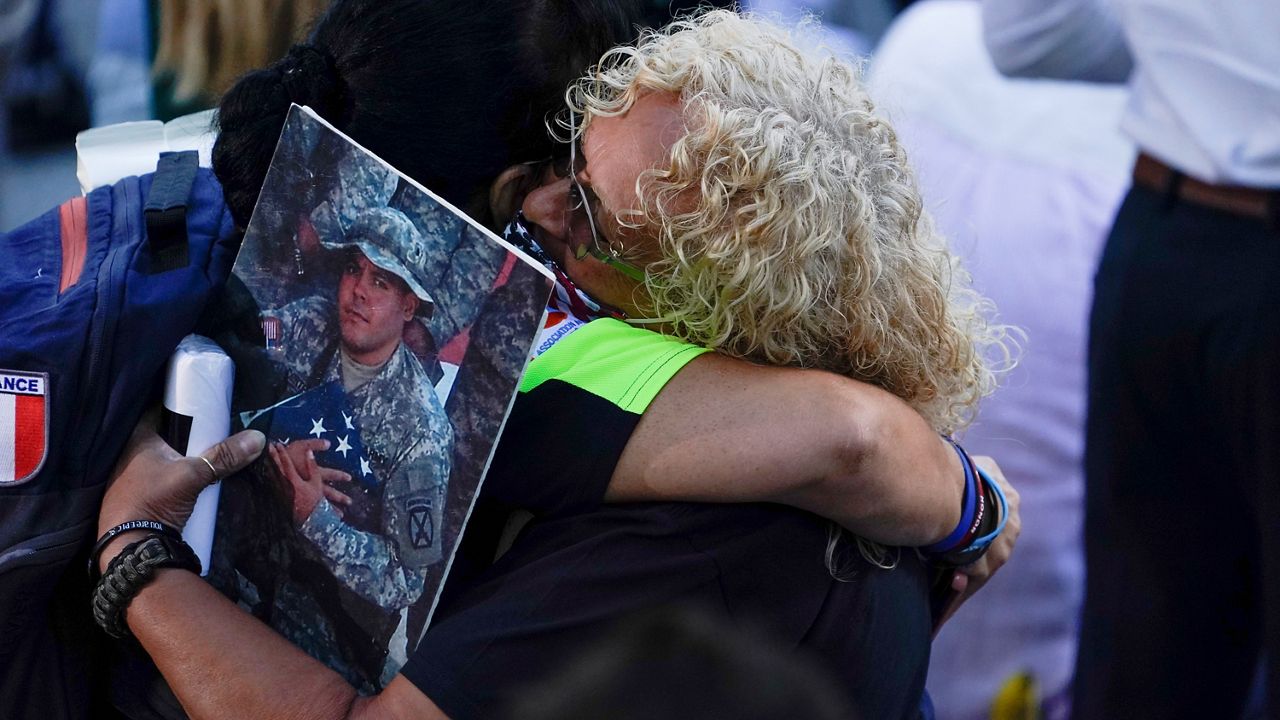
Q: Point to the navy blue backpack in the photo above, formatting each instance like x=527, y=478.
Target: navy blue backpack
x=94, y=297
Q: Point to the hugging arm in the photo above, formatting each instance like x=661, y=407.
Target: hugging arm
x=220, y=661
x=724, y=430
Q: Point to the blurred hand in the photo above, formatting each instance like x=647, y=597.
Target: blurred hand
x=308, y=482
x=152, y=481
x=969, y=579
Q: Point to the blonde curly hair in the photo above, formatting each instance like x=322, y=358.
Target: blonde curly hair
x=806, y=243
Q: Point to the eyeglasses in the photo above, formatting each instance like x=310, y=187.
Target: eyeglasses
x=578, y=193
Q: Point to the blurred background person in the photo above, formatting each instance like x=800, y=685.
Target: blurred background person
x=76, y=63
x=851, y=28
x=119, y=80
x=16, y=18
x=166, y=59
x=1182, y=464
x=202, y=46
x=48, y=44
x=45, y=51
x=1023, y=178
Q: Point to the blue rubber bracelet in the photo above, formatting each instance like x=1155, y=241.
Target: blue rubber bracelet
x=987, y=539
x=951, y=541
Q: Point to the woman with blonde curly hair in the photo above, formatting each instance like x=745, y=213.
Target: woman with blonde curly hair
x=737, y=203
x=785, y=225
x=728, y=194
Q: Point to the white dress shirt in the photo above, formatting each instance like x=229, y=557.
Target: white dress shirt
x=1205, y=81
x=1023, y=178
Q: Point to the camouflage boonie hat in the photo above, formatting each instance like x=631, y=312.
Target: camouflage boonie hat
x=363, y=184
x=389, y=240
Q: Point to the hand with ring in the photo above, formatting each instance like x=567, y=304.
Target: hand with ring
x=152, y=481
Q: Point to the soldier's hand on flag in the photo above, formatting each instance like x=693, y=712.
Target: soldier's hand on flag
x=302, y=453
x=307, y=481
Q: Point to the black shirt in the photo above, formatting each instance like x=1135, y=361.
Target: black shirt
x=580, y=566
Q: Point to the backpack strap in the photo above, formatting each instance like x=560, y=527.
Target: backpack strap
x=166, y=210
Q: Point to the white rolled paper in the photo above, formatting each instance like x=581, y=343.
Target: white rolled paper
x=199, y=387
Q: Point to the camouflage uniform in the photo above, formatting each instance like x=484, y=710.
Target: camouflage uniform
x=378, y=555
x=362, y=185
x=380, y=562
x=410, y=443
x=497, y=354
x=462, y=262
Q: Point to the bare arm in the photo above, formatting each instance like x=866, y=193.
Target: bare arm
x=220, y=661
x=724, y=430
x=223, y=663
x=1062, y=39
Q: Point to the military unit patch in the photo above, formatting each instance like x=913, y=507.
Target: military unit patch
x=422, y=530
x=24, y=425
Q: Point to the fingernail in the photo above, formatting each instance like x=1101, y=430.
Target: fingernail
x=311, y=455
x=326, y=444
x=252, y=443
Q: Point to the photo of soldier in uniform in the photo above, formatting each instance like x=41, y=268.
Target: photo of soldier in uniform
x=379, y=336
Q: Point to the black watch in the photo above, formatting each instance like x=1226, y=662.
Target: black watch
x=132, y=569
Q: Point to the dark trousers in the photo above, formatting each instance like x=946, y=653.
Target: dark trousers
x=1182, y=515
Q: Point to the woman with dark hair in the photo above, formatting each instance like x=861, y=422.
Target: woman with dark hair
x=432, y=88
x=448, y=92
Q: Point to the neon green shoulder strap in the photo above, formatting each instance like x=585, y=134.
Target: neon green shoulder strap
x=622, y=364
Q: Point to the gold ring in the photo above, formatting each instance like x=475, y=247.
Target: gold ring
x=212, y=469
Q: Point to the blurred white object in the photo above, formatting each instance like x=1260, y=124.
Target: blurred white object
x=1204, y=80
x=197, y=399
x=1023, y=178
x=107, y=154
